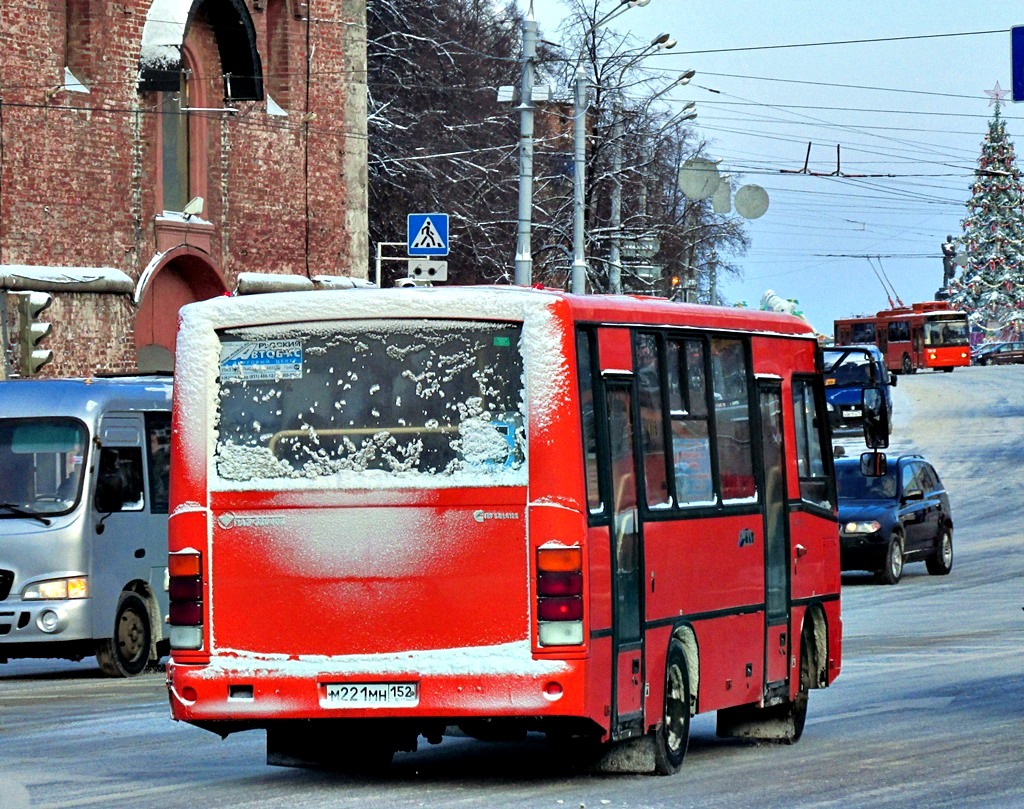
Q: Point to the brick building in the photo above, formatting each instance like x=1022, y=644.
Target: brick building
x=153, y=150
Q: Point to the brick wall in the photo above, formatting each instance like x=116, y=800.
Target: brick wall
x=79, y=172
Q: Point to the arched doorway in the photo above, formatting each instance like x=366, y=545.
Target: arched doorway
x=184, y=275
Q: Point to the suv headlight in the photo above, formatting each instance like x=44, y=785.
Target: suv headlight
x=57, y=589
x=866, y=527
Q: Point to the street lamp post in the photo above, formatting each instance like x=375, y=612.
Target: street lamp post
x=579, y=134
x=579, y=265
x=688, y=113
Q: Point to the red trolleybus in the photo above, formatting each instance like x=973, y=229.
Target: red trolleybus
x=922, y=335
x=397, y=511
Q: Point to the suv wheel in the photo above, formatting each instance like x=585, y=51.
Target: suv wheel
x=941, y=562
x=892, y=571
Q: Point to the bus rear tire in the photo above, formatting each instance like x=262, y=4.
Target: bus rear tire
x=908, y=366
x=673, y=734
x=126, y=653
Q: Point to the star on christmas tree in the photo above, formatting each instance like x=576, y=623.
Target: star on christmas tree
x=996, y=95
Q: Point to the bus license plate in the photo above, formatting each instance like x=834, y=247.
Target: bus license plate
x=372, y=695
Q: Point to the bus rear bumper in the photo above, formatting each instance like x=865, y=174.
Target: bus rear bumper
x=252, y=697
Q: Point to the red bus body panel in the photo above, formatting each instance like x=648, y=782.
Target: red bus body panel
x=302, y=589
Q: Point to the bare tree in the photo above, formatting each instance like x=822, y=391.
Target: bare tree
x=663, y=234
x=439, y=141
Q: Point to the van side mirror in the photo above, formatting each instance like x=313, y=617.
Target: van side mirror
x=876, y=418
x=874, y=464
x=110, y=495
x=892, y=380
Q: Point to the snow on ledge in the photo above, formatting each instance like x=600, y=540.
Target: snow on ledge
x=163, y=33
x=64, y=279
x=515, y=658
x=251, y=283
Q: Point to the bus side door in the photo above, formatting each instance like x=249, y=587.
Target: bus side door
x=627, y=563
x=776, y=535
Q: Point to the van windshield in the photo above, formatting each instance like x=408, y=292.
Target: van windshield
x=363, y=404
x=846, y=369
x=41, y=465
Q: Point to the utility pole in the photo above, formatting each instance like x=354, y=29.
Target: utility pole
x=614, y=254
x=524, y=249
x=579, y=262
x=4, y=370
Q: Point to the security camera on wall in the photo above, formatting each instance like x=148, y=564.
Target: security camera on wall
x=406, y=282
x=194, y=207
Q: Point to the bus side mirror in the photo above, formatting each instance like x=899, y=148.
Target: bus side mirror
x=873, y=464
x=876, y=418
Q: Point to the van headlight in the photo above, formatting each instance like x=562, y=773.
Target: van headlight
x=57, y=589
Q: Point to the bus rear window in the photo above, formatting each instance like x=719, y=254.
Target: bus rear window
x=357, y=401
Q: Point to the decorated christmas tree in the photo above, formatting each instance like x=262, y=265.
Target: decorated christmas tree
x=991, y=287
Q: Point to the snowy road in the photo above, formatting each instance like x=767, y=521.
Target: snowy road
x=928, y=712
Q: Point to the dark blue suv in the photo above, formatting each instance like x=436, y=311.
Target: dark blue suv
x=848, y=370
x=901, y=516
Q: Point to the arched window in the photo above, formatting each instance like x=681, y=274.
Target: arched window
x=182, y=138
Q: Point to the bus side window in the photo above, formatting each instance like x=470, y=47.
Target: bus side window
x=652, y=421
x=585, y=371
x=732, y=420
x=691, y=446
x=119, y=482
x=810, y=462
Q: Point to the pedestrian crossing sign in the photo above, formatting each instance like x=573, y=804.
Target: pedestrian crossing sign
x=427, y=234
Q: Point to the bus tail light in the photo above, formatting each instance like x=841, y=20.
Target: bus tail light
x=185, y=589
x=560, y=595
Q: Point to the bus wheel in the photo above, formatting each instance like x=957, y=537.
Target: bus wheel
x=673, y=734
x=908, y=366
x=941, y=562
x=892, y=570
x=127, y=652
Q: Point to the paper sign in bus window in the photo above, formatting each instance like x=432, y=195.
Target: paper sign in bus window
x=261, y=360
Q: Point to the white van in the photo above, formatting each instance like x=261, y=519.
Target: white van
x=84, y=474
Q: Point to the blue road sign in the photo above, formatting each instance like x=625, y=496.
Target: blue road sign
x=1017, y=61
x=427, y=234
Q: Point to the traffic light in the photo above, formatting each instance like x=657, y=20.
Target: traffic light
x=31, y=333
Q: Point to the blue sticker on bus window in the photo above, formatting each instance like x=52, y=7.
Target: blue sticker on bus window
x=261, y=360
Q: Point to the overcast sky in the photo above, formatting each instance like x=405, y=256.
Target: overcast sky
x=913, y=106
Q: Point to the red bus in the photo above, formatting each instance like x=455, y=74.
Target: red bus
x=922, y=335
x=507, y=510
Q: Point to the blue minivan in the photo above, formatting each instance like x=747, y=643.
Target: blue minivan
x=848, y=370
